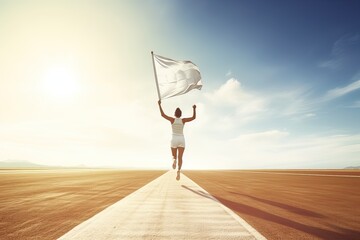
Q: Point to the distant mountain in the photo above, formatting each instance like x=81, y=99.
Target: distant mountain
x=28, y=164
x=353, y=167
x=20, y=164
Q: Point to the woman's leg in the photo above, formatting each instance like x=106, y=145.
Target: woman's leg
x=174, y=154
x=181, y=152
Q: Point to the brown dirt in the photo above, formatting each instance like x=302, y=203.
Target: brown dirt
x=45, y=204
x=282, y=206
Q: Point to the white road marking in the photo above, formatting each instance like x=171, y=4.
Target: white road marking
x=165, y=209
x=305, y=174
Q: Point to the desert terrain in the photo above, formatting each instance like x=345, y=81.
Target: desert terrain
x=45, y=204
x=290, y=204
x=281, y=204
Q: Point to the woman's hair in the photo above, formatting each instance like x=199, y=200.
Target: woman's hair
x=177, y=112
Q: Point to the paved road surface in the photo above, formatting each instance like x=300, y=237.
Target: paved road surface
x=165, y=209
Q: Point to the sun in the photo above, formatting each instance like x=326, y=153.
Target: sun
x=60, y=82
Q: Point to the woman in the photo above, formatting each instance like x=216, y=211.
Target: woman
x=177, y=140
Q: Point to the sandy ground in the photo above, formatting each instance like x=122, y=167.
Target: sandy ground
x=45, y=204
x=283, y=205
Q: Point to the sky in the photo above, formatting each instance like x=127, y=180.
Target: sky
x=281, y=83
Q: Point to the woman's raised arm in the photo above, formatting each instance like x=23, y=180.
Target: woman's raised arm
x=191, y=118
x=163, y=114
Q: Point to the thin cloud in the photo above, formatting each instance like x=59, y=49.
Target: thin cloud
x=279, y=149
x=356, y=104
x=295, y=103
x=247, y=105
x=334, y=63
x=339, y=92
x=266, y=136
x=340, y=51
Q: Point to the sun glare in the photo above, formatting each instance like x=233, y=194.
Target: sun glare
x=60, y=82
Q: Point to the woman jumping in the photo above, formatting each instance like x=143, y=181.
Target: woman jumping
x=177, y=140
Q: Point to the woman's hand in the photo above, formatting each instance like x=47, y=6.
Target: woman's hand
x=159, y=102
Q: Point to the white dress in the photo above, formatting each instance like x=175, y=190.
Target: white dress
x=177, y=139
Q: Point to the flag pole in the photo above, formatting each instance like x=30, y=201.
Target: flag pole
x=156, y=80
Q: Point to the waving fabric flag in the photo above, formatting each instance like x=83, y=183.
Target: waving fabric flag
x=175, y=77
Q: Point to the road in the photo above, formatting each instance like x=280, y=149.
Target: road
x=165, y=209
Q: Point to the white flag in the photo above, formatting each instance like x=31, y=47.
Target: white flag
x=176, y=77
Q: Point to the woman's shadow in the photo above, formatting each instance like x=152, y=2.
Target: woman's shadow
x=341, y=233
